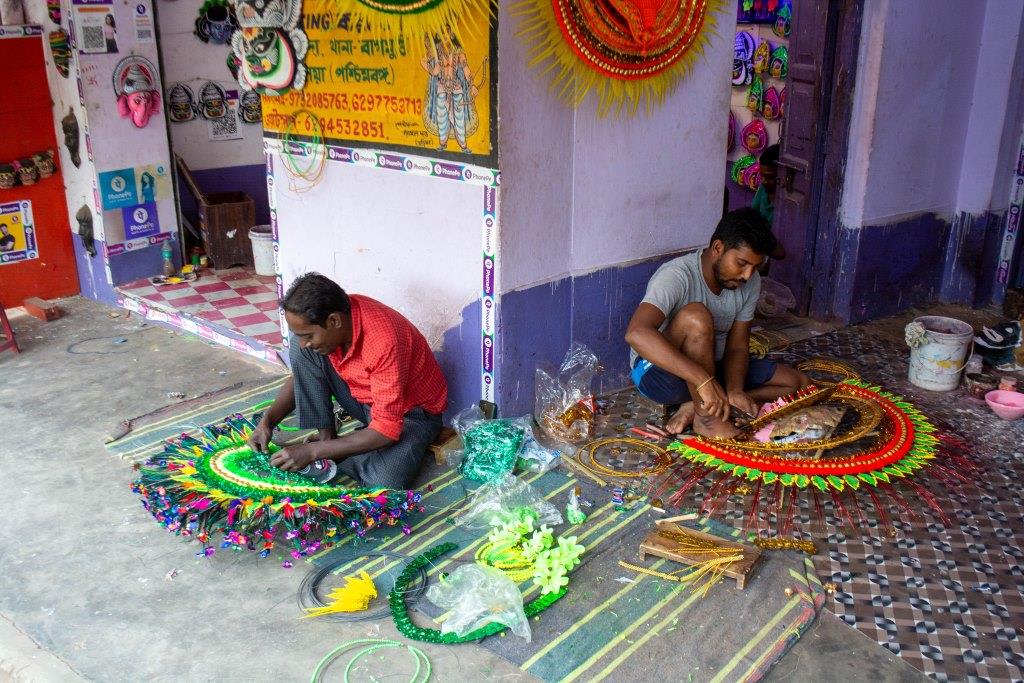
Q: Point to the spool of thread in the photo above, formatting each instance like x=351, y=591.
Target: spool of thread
x=618, y=496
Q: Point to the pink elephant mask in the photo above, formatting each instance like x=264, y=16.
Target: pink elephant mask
x=139, y=106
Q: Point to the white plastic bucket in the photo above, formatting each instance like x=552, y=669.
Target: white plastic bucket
x=936, y=364
x=262, y=249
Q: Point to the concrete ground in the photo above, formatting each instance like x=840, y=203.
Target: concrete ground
x=93, y=589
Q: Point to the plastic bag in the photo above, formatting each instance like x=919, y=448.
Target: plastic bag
x=563, y=400
x=476, y=596
x=775, y=298
x=487, y=446
x=499, y=501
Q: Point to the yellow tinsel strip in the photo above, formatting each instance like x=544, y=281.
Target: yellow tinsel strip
x=354, y=596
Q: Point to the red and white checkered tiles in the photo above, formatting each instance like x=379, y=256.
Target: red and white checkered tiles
x=236, y=299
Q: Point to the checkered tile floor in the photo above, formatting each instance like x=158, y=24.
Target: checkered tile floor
x=236, y=299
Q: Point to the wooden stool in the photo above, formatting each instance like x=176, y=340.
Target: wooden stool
x=5, y=325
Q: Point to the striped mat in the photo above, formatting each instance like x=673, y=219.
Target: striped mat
x=614, y=624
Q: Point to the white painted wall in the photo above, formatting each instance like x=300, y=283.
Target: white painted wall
x=412, y=242
x=193, y=62
x=581, y=192
x=64, y=92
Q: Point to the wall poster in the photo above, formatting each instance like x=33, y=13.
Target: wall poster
x=17, y=232
x=433, y=95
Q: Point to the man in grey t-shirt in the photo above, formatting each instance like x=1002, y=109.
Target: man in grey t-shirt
x=690, y=335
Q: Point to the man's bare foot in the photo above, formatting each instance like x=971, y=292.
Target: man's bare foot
x=705, y=425
x=683, y=418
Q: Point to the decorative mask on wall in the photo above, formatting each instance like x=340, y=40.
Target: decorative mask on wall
x=44, y=163
x=213, y=101
x=234, y=63
x=741, y=165
x=61, y=50
x=780, y=62
x=755, y=97
x=84, y=218
x=135, y=84
x=181, y=103
x=783, y=21
x=28, y=174
x=743, y=52
x=53, y=9
x=270, y=46
x=762, y=56
x=69, y=124
x=771, y=107
x=754, y=137
x=216, y=22
x=8, y=176
x=251, y=107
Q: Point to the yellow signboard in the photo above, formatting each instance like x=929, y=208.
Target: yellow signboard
x=369, y=87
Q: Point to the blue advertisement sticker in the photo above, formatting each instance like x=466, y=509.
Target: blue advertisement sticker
x=140, y=221
x=117, y=189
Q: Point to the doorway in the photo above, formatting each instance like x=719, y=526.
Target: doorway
x=812, y=133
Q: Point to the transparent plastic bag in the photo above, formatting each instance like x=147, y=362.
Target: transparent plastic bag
x=563, y=399
x=535, y=456
x=491, y=448
x=500, y=501
x=476, y=596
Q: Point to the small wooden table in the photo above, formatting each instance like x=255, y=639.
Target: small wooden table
x=659, y=546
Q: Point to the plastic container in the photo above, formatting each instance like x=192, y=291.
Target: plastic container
x=1008, y=405
x=936, y=364
x=262, y=249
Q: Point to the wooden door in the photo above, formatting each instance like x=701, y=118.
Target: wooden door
x=796, y=204
x=41, y=260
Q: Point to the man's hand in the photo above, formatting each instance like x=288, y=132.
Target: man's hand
x=294, y=458
x=742, y=400
x=713, y=400
x=260, y=438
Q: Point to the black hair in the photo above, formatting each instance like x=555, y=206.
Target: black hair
x=315, y=297
x=113, y=24
x=770, y=155
x=745, y=227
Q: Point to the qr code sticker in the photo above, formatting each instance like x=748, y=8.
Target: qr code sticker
x=92, y=39
x=145, y=36
x=226, y=127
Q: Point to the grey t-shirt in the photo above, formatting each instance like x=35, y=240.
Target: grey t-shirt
x=680, y=282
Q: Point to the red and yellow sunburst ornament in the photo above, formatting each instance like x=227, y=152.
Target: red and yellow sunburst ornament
x=890, y=462
x=625, y=52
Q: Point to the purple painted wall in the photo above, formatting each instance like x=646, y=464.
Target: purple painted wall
x=929, y=163
x=593, y=309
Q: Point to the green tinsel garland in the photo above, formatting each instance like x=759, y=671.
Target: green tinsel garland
x=430, y=635
x=491, y=449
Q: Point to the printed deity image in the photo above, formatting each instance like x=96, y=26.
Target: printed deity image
x=450, y=103
x=270, y=46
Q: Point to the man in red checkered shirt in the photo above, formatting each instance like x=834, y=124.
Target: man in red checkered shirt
x=380, y=370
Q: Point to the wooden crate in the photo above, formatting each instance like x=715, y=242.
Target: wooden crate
x=224, y=220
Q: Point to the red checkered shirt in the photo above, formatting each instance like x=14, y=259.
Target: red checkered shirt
x=389, y=366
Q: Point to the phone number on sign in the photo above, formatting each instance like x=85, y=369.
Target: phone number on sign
x=346, y=128
x=390, y=104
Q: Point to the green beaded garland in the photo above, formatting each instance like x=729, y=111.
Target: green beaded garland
x=396, y=599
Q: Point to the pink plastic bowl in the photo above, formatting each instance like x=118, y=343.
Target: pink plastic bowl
x=1008, y=405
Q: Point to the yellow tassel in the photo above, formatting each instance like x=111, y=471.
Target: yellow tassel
x=354, y=596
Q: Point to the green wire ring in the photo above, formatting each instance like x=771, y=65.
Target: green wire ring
x=396, y=598
x=374, y=644
x=283, y=428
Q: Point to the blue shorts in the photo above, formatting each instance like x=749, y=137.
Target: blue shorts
x=661, y=386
